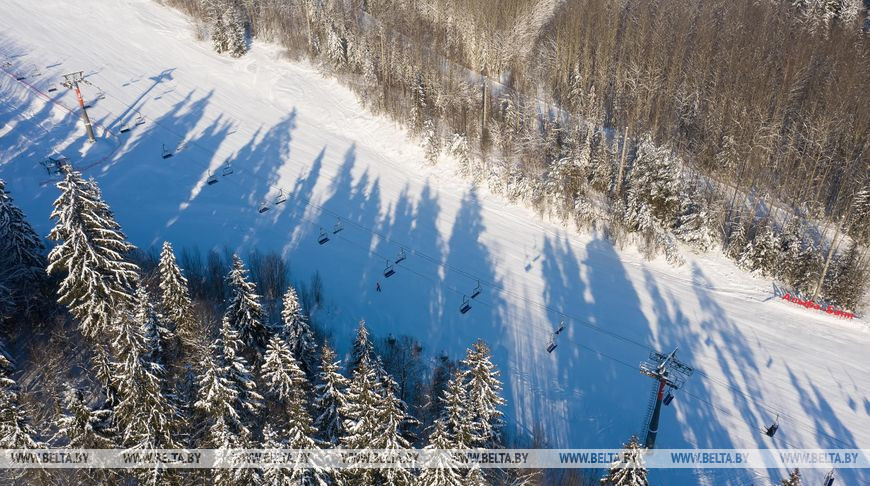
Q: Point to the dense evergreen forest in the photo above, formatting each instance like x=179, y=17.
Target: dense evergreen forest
x=125, y=349
x=720, y=124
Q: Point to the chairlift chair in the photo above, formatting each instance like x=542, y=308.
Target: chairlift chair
x=228, y=169
x=281, y=198
x=401, y=256
x=52, y=89
x=322, y=238
x=561, y=328
x=264, y=208
x=338, y=227
x=829, y=478
x=466, y=305
x=124, y=129
x=476, y=291
x=166, y=153
x=212, y=179
x=551, y=346
x=139, y=119
x=669, y=398
x=389, y=270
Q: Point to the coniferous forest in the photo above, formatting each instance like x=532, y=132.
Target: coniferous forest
x=159, y=350
x=720, y=125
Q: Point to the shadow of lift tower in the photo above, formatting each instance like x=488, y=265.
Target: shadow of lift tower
x=669, y=372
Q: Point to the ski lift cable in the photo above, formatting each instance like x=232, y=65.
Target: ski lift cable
x=493, y=285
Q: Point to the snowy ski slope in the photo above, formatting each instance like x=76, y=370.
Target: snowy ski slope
x=282, y=126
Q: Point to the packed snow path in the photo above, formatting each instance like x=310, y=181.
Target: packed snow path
x=282, y=126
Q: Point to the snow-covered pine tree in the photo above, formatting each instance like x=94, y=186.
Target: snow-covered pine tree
x=631, y=470
x=329, y=397
x=693, y=222
x=83, y=427
x=443, y=472
x=146, y=416
x=793, y=479
x=22, y=263
x=362, y=351
x=98, y=282
x=245, y=313
x=175, y=297
x=484, y=395
x=459, y=149
x=297, y=332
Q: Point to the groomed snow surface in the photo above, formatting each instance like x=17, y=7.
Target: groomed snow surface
x=282, y=125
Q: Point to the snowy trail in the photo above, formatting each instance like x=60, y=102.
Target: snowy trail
x=282, y=125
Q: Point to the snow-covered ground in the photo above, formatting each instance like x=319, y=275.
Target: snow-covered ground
x=284, y=127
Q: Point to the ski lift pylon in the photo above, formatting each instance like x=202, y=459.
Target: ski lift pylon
x=322, y=238
x=466, y=305
x=389, y=270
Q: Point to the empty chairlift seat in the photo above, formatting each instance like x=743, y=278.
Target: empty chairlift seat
x=280, y=198
x=551, y=346
x=322, y=238
x=476, y=291
x=212, y=179
x=465, y=306
x=389, y=270
x=166, y=153
x=228, y=169
x=401, y=256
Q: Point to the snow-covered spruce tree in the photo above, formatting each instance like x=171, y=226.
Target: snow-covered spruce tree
x=484, y=395
x=562, y=186
x=15, y=429
x=83, y=427
x=793, y=479
x=631, y=470
x=297, y=331
x=146, y=416
x=285, y=383
x=459, y=424
x=762, y=253
x=393, y=419
x=245, y=313
x=442, y=473
x=361, y=411
x=329, y=397
x=236, y=29
x=693, y=223
x=653, y=186
x=227, y=401
x=175, y=297
x=22, y=263
x=362, y=351
x=98, y=281
x=431, y=141
x=859, y=226
x=847, y=279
